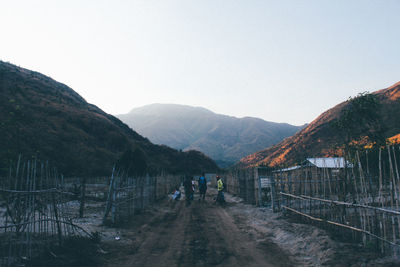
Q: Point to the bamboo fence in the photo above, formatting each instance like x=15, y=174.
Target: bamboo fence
x=358, y=201
x=32, y=212
x=128, y=196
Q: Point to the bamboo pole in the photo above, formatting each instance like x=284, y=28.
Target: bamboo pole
x=328, y=174
x=398, y=183
x=362, y=180
x=17, y=172
x=381, y=231
x=363, y=226
x=82, y=197
x=31, y=200
x=384, y=226
x=46, y=201
x=380, y=176
x=40, y=212
x=57, y=221
x=397, y=171
x=355, y=186
x=393, y=212
x=109, y=199
x=363, y=217
x=51, y=210
x=394, y=235
x=33, y=196
x=341, y=225
x=393, y=191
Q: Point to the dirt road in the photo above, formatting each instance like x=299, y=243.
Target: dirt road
x=202, y=234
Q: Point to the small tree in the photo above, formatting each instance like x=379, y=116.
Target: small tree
x=359, y=121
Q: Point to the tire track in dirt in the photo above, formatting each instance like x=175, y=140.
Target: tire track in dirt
x=202, y=234
x=163, y=240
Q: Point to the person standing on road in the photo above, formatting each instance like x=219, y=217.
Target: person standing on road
x=202, y=187
x=220, y=186
x=193, y=188
x=187, y=184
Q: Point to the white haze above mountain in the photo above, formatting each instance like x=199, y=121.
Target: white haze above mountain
x=224, y=138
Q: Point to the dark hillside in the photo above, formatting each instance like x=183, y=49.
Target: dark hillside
x=46, y=119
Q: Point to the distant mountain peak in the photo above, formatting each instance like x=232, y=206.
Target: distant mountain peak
x=224, y=138
x=170, y=106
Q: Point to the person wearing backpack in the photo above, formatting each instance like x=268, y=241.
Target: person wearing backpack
x=202, y=187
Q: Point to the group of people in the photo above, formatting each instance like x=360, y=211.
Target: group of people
x=189, y=187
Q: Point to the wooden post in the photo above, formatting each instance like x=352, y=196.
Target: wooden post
x=83, y=195
x=323, y=180
x=394, y=235
x=380, y=176
x=398, y=183
x=393, y=190
x=273, y=194
x=110, y=190
x=141, y=193
x=360, y=174
x=357, y=197
x=384, y=227
x=113, y=203
x=328, y=176
x=258, y=180
x=397, y=172
x=59, y=233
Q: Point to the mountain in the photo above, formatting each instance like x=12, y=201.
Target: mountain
x=44, y=119
x=320, y=136
x=223, y=138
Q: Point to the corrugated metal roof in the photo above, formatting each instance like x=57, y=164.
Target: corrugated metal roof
x=289, y=169
x=333, y=163
x=330, y=163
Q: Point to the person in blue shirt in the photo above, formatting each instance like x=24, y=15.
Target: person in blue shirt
x=202, y=187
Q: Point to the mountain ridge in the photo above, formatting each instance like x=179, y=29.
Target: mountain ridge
x=222, y=137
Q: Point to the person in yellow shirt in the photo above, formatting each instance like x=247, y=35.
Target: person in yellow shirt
x=220, y=186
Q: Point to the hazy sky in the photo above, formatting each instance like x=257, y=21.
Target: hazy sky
x=283, y=61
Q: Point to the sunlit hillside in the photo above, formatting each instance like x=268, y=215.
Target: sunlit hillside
x=320, y=138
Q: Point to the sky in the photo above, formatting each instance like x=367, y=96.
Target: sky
x=282, y=61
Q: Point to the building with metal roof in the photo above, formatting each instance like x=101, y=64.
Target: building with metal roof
x=329, y=163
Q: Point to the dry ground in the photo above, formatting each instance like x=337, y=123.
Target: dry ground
x=202, y=234
x=205, y=234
